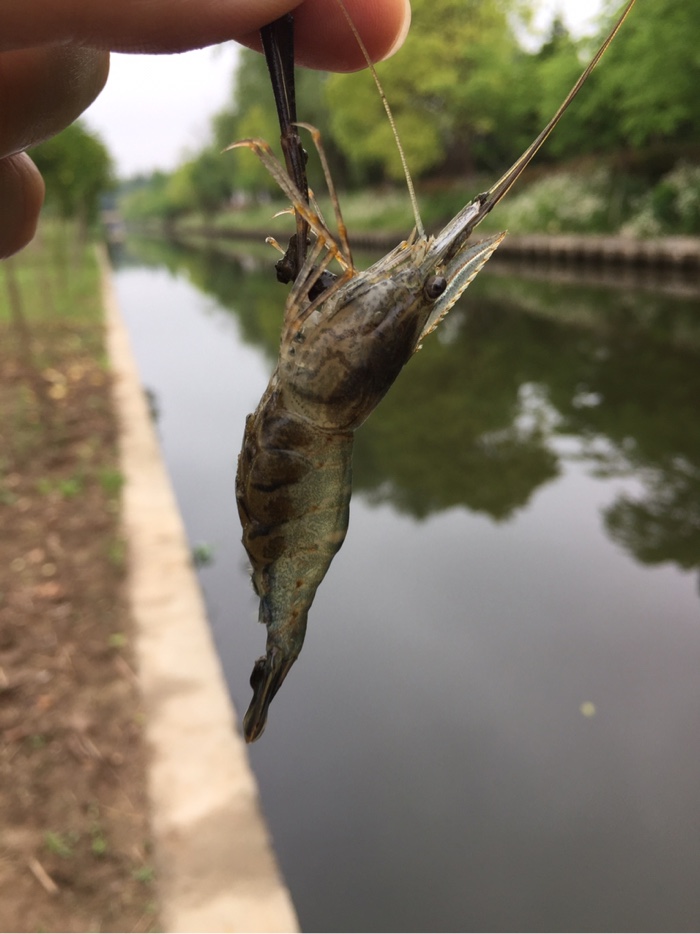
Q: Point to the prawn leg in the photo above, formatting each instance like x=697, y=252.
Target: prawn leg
x=278, y=45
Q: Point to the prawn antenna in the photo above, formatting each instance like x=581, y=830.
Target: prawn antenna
x=392, y=122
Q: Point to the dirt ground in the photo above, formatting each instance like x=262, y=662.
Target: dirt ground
x=74, y=836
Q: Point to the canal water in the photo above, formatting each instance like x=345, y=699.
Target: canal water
x=495, y=720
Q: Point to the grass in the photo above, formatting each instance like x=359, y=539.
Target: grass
x=65, y=487
x=145, y=874
x=116, y=553
x=98, y=840
x=57, y=275
x=202, y=555
x=585, y=200
x=52, y=333
x=112, y=480
x=117, y=640
x=61, y=594
x=60, y=844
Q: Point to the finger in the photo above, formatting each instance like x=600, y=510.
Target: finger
x=134, y=25
x=43, y=90
x=324, y=39
x=21, y=196
x=177, y=25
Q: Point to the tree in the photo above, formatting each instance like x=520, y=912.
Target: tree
x=454, y=89
x=251, y=113
x=652, y=72
x=77, y=169
x=558, y=64
x=211, y=180
x=146, y=197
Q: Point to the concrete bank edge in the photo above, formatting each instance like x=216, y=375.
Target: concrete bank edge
x=216, y=868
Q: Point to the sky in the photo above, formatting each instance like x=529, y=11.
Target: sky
x=156, y=108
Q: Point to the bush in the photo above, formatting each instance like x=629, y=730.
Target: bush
x=671, y=207
x=562, y=203
x=676, y=200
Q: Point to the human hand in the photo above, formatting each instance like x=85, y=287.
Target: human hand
x=54, y=61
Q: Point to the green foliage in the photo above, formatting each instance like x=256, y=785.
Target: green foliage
x=99, y=844
x=452, y=97
x=66, y=487
x=111, y=480
x=557, y=67
x=179, y=191
x=676, y=200
x=652, y=72
x=474, y=419
x=117, y=640
x=643, y=92
x=210, y=181
x=671, y=207
x=468, y=98
x=146, y=197
x=77, y=169
x=201, y=184
x=449, y=433
x=202, y=555
x=60, y=844
x=251, y=113
x=248, y=172
x=558, y=203
x=116, y=553
x=145, y=874
x=360, y=126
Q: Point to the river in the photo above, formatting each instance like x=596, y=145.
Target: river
x=495, y=720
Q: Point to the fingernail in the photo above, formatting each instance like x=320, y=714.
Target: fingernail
x=403, y=32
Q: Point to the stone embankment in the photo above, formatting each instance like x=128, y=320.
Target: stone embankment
x=666, y=253
x=663, y=252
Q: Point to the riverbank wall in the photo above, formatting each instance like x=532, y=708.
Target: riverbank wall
x=669, y=266
x=216, y=866
x=666, y=253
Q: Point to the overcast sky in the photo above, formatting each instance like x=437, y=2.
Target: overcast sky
x=157, y=107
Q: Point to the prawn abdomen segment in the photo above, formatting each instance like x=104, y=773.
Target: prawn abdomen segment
x=293, y=491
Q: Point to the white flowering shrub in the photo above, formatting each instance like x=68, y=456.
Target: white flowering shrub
x=671, y=207
x=643, y=223
x=562, y=203
x=676, y=200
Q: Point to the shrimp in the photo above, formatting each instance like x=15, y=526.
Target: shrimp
x=344, y=342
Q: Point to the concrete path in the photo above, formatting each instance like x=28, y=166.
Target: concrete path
x=216, y=868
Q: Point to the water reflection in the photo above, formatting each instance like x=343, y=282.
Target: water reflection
x=430, y=768
x=478, y=418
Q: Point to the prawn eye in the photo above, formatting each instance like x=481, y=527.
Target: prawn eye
x=434, y=287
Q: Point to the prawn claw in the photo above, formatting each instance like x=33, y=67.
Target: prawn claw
x=266, y=679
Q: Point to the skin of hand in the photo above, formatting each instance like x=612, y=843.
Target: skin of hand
x=54, y=61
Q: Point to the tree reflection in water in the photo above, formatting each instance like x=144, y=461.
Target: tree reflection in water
x=477, y=418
